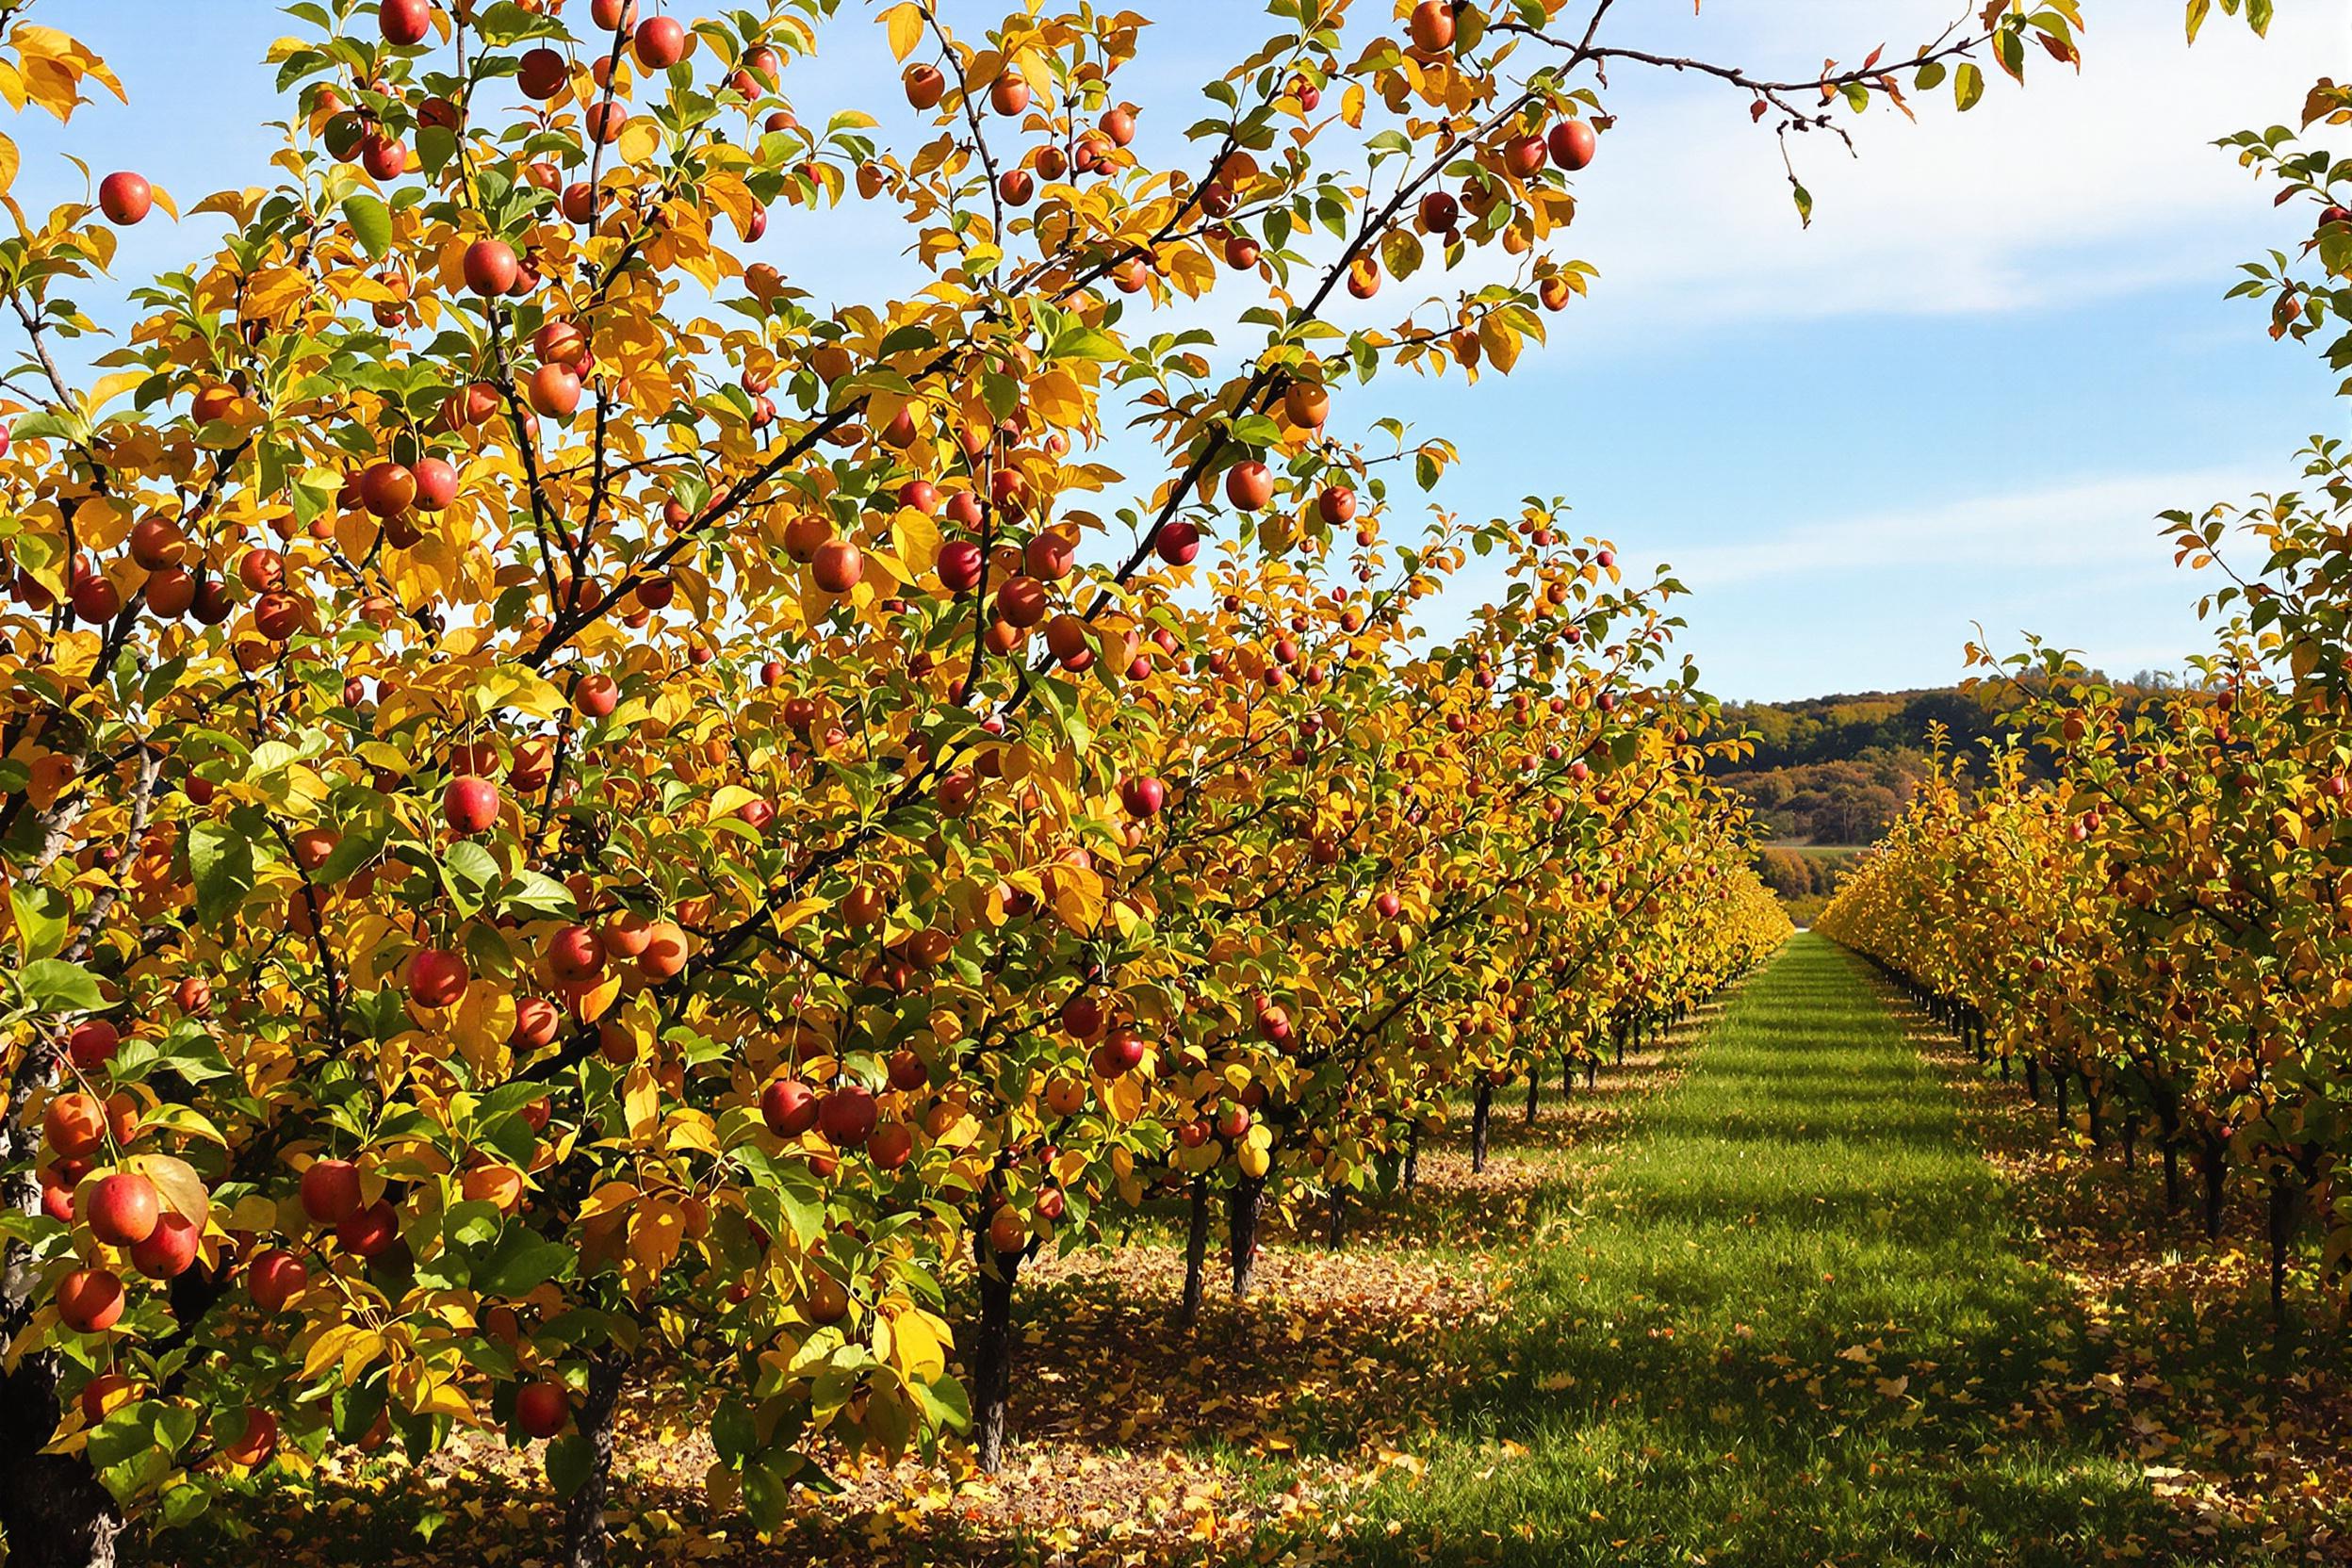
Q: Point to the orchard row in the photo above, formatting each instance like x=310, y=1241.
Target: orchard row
x=567, y=809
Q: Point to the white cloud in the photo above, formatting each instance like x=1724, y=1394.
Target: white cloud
x=2073, y=188
x=2100, y=522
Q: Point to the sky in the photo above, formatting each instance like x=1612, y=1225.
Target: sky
x=1958, y=399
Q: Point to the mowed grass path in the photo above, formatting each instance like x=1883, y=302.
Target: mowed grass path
x=1793, y=1324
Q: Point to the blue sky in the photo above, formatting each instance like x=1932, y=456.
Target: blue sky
x=1959, y=397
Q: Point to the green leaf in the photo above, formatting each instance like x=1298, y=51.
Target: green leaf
x=569, y=1458
x=54, y=986
x=220, y=861
x=370, y=220
x=1091, y=343
x=40, y=918
x=520, y=1262
x=1805, y=203
x=1967, y=85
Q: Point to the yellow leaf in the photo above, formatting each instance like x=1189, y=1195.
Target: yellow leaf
x=917, y=539
x=440, y=1398
x=176, y=1183
x=106, y=388
x=640, y=139
x=8, y=163
x=918, y=1343
x=906, y=28
x=609, y=1199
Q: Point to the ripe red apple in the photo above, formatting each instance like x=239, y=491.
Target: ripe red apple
x=537, y=1022
x=1008, y=1231
x=660, y=43
x=93, y=1043
x=404, y=22
x=1233, y=1124
x=961, y=563
x=1120, y=1053
x=907, y=1071
x=1572, y=144
x=255, y=1441
x=1082, y=1015
x=90, y=1301
x=126, y=198
x=846, y=1115
x=490, y=267
x=1178, y=542
x=123, y=1209
x=436, y=977
x=74, y=1125
x=553, y=391
x=371, y=1230
x=331, y=1191
x=103, y=1395
x=788, y=1107
x=1433, y=26
x=1522, y=155
x=437, y=483
x=1440, y=212
x=543, y=74
x=890, y=1145
x=169, y=1247
x=1388, y=905
x=925, y=86
x=1009, y=93
x=386, y=489
x=575, y=953
x=274, y=1278
x=597, y=696
x=837, y=565
x=1248, y=486
x=542, y=1409
x=1143, y=795
x=470, y=804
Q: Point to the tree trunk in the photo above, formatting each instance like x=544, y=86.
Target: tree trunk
x=2033, y=1078
x=1241, y=1232
x=2066, y=1090
x=2212, y=1164
x=1621, y=1028
x=1480, y=1114
x=1413, y=1155
x=993, y=1352
x=1592, y=1069
x=2128, y=1126
x=1535, y=1086
x=1196, y=1255
x=1335, y=1203
x=2172, y=1175
x=586, y=1540
x=2094, y=1104
x=54, y=1510
x=1567, y=1074
x=2282, y=1218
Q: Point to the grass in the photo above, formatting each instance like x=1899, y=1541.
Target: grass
x=1794, y=1326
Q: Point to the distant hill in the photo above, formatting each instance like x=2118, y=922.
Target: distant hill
x=1831, y=774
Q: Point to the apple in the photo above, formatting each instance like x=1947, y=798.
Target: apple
x=256, y=1443
x=543, y=74
x=104, y=1395
x=93, y=1043
x=123, y=1209
x=664, y=954
x=470, y=804
x=169, y=1247
x=961, y=564
x=925, y=86
x=846, y=1116
x=542, y=1409
x=907, y=1071
x=837, y=565
x=1248, y=486
x=553, y=391
x=157, y=542
x=437, y=483
x=1008, y=1231
x=274, y=1278
x=126, y=198
x=369, y=1231
x=537, y=1022
x=1233, y=1124
x=1178, y=542
x=436, y=977
x=490, y=267
x=404, y=22
x=1009, y=93
x=1522, y=155
x=1433, y=26
x=597, y=696
x=1440, y=212
x=1306, y=404
x=1572, y=144
x=331, y=1191
x=74, y=1125
x=90, y=1301
x=1143, y=795
x=1120, y=1053
x=575, y=953
x=660, y=43
x=1082, y=1015
x=891, y=1146
x=386, y=489
x=788, y=1107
